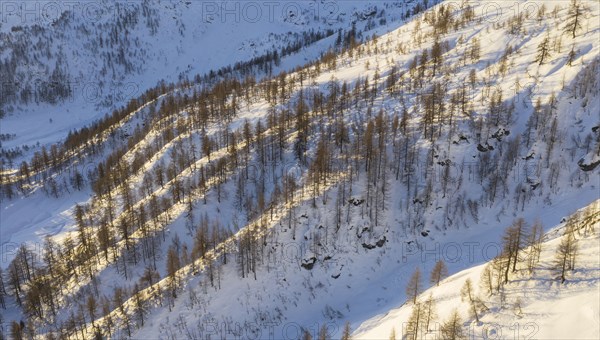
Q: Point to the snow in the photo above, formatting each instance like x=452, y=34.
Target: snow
x=357, y=284
x=548, y=309
x=371, y=281
x=192, y=44
x=42, y=124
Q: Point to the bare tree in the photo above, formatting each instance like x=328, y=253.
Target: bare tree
x=575, y=17
x=438, y=273
x=324, y=333
x=3, y=292
x=346, y=334
x=566, y=252
x=487, y=279
x=452, y=328
x=416, y=320
x=475, y=304
x=430, y=312
x=414, y=287
x=91, y=307
x=534, y=242
x=139, y=304
x=543, y=50
x=513, y=241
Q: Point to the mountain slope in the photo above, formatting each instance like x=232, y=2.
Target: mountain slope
x=281, y=205
x=531, y=306
x=65, y=65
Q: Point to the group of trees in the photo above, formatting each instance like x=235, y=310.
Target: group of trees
x=422, y=320
x=521, y=249
x=576, y=14
x=187, y=152
x=90, y=140
x=26, y=79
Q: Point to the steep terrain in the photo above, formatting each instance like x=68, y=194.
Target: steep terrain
x=534, y=305
x=66, y=64
x=273, y=206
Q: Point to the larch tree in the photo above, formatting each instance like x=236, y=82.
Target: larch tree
x=346, y=333
x=429, y=312
x=519, y=234
x=173, y=265
x=414, y=287
x=436, y=55
x=438, y=273
x=393, y=334
x=452, y=328
x=513, y=241
x=139, y=304
x=534, y=243
x=16, y=330
x=324, y=333
x=475, y=304
x=3, y=292
x=487, y=279
x=575, y=18
x=416, y=322
x=91, y=307
x=566, y=252
x=543, y=51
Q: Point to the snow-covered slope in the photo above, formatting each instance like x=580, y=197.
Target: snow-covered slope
x=65, y=65
x=531, y=306
x=305, y=200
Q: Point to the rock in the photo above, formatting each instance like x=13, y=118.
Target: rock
x=359, y=235
x=588, y=167
x=381, y=242
x=308, y=263
x=461, y=138
x=356, y=202
x=368, y=246
x=500, y=134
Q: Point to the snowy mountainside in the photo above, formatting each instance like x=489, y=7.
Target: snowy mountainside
x=65, y=64
x=274, y=207
x=534, y=305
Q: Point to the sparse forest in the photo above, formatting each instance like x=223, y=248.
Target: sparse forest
x=242, y=175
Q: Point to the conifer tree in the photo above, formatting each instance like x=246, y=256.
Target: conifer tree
x=414, y=287
x=438, y=273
